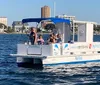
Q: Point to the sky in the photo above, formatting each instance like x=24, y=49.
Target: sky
x=16, y=10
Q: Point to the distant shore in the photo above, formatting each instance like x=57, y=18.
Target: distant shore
x=42, y=33
x=24, y=33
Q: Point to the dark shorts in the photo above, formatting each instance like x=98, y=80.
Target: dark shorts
x=32, y=40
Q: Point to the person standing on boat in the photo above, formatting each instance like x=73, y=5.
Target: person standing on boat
x=33, y=36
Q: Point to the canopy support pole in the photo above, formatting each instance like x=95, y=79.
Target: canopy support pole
x=73, y=30
x=63, y=36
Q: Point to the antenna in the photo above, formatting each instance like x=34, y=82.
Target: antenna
x=54, y=8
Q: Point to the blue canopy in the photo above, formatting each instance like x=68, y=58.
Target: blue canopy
x=55, y=20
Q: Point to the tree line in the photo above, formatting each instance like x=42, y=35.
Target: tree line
x=97, y=28
x=11, y=30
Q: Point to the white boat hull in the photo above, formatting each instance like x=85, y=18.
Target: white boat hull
x=71, y=59
x=56, y=54
x=58, y=60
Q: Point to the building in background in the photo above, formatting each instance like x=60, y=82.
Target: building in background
x=3, y=20
x=19, y=27
x=71, y=18
x=3, y=24
x=45, y=12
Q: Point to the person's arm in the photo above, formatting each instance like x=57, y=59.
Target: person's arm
x=35, y=35
x=48, y=40
x=54, y=41
x=42, y=41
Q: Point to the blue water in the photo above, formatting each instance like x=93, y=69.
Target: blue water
x=10, y=74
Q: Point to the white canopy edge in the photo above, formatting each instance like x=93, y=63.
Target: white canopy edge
x=84, y=22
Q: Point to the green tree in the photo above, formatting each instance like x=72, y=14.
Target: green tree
x=76, y=29
x=23, y=28
x=9, y=29
x=97, y=28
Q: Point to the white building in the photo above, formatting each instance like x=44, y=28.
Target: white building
x=71, y=18
x=3, y=24
x=3, y=20
x=19, y=27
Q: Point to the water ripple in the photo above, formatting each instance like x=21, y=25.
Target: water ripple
x=10, y=74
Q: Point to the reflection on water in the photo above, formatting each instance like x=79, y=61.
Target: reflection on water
x=10, y=74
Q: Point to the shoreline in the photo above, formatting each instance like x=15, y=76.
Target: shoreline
x=24, y=33
x=42, y=33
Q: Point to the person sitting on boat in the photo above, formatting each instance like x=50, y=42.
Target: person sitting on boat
x=40, y=40
x=51, y=39
x=55, y=37
x=33, y=36
x=59, y=40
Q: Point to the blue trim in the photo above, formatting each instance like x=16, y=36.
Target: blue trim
x=76, y=62
x=21, y=64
